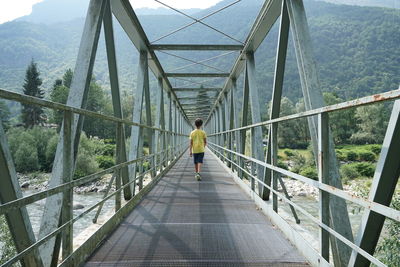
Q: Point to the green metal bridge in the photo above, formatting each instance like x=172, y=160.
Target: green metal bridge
x=230, y=218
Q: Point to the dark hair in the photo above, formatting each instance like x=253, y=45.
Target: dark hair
x=198, y=122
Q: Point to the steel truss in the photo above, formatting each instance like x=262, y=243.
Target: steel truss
x=227, y=124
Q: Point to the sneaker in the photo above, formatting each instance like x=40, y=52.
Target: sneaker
x=198, y=177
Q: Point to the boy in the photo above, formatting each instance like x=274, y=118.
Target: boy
x=198, y=141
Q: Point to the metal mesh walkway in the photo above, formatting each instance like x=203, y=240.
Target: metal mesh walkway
x=182, y=222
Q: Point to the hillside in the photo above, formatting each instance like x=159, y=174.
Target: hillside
x=356, y=48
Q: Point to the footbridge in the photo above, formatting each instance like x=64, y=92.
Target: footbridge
x=236, y=215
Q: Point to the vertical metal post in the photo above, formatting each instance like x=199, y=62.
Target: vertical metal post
x=245, y=109
x=313, y=99
x=119, y=159
x=383, y=186
x=137, y=132
x=277, y=88
x=323, y=175
x=231, y=122
x=274, y=161
x=77, y=98
x=160, y=122
x=257, y=151
x=115, y=94
x=17, y=220
x=169, y=127
x=150, y=132
x=67, y=207
x=175, y=128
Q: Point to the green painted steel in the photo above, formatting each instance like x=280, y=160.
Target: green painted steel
x=195, y=47
x=18, y=220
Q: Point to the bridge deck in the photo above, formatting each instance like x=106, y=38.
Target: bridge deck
x=182, y=222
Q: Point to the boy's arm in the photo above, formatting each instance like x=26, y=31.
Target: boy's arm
x=205, y=142
x=190, y=147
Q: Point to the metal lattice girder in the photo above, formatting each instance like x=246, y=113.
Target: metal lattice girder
x=160, y=121
x=77, y=98
x=135, y=150
x=128, y=20
x=255, y=116
x=383, y=186
x=195, y=47
x=313, y=99
x=18, y=220
x=201, y=75
x=115, y=93
x=266, y=18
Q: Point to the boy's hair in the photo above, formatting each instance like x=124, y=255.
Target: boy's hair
x=198, y=122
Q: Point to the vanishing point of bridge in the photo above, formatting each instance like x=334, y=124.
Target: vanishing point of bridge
x=230, y=218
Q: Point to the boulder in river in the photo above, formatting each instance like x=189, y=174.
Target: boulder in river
x=78, y=206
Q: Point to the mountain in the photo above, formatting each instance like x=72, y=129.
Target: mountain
x=54, y=11
x=356, y=48
x=378, y=3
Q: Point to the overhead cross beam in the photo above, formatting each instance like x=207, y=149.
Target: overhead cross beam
x=191, y=47
x=200, y=75
x=191, y=89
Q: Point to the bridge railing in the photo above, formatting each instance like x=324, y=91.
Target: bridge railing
x=171, y=146
x=232, y=154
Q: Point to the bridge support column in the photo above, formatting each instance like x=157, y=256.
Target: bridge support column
x=136, y=149
x=257, y=149
x=160, y=123
x=115, y=95
x=244, y=122
x=77, y=98
x=339, y=218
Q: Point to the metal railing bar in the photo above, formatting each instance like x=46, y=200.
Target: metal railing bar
x=21, y=202
x=368, y=100
x=58, y=106
x=324, y=226
x=61, y=228
x=376, y=207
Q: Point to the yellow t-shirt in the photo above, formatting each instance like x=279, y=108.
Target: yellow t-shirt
x=198, y=136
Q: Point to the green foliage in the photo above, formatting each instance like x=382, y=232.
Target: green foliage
x=105, y=162
x=4, y=115
x=376, y=149
x=372, y=123
x=349, y=172
x=366, y=156
x=32, y=114
x=390, y=245
x=30, y=148
x=108, y=150
x=365, y=169
x=86, y=161
x=283, y=165
x=310, y=172
x=288, y=152
x=8, y=249
x=298, y=161
x=351, y=155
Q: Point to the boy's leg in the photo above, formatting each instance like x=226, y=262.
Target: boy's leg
x=198, y=167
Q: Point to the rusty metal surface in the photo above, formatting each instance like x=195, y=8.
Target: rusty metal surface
x=182, y=222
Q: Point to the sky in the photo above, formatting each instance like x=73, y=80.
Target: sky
x=12, y=9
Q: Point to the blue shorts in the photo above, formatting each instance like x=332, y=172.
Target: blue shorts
x=198, y=157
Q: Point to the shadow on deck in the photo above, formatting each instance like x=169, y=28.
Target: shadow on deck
x=183, y=222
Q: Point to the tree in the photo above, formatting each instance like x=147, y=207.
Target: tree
x=32, y=115
x=4, y=114
x=341, y=122
x=371, y=123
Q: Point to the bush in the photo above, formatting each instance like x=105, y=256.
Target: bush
x=365, y=168
x=288, y=152
x=351, y=155
x=310, y=172
x=298, y=162
x=146, y=165
x=376, y=149
x=26, y=157
x=282, y=165
x=366, y=156
x=349, y=171
x=51, y=151
x=86, y=161
x=105, y=162
x=341, y=155
x=108, y=150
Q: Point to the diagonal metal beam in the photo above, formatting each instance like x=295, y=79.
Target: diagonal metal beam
x=128, y=20
x=266, y=18
x=18, y=220
x=202, y=61
x=383, y=186
x=115, y=93
x=206, y=47
x=201, y=75
x=77, y=98
x=313, y=99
